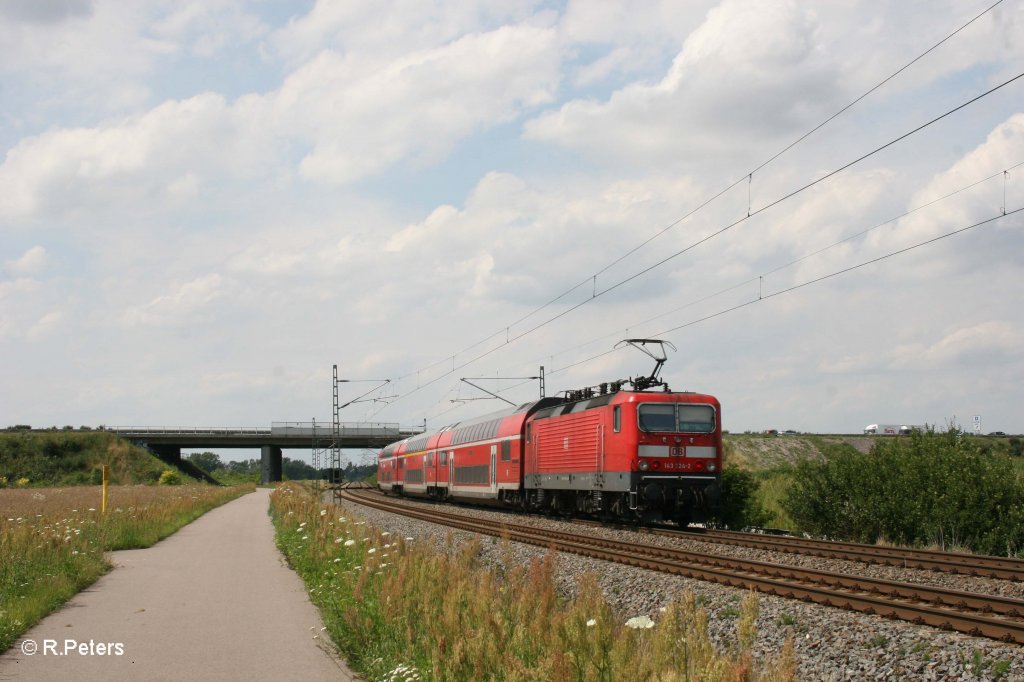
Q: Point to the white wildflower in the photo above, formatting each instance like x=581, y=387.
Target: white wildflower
x=591, y=623
x=349, y=543
x=638, y=622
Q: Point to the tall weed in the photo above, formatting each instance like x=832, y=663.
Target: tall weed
x=396, y=604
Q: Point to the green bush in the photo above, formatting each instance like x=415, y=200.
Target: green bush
x=170, y=477
x=740, y=506
x=925, y=489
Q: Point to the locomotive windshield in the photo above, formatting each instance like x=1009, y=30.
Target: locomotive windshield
x=677, y=417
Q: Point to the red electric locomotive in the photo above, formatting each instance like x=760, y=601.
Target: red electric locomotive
x=605, y=451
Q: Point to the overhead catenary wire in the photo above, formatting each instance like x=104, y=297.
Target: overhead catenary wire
x=795, y=287
x=764, y=208
x=807, y=186
x=712, y=235
x=759, y=278
x=762, y=296
x=747, y=176
x=843, y=271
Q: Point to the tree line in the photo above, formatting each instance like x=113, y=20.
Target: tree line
x=292, y=469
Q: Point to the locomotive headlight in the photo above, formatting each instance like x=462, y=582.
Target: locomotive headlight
x=711, y=466
x=644, y=465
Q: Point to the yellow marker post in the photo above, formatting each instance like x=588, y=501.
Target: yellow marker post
x=106, y=475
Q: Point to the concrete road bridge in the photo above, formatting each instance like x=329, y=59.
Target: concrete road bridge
x=167, y=442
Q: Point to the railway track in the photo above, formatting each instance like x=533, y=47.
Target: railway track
x=995, y=617
x=1001, y=568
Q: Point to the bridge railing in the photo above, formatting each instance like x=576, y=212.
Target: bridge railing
x=277, y=429
x=325, y=430
x=196, y=430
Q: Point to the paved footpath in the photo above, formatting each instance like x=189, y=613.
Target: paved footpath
x=215, y=601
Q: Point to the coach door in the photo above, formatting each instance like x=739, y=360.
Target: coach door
x=494, y=467
x=451, y=470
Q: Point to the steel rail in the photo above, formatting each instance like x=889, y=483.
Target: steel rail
x=1001, y=568
x=865, y=595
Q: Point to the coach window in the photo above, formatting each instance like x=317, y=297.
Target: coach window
x=528, y=425
x=506, y=451
x=617, y=418
x=430, y=459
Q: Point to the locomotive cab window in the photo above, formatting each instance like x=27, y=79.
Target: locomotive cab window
x=617, y=418
x=677, y=417
x=657, y=417
x=696, y=418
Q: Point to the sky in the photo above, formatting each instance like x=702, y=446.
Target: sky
x=204, y=206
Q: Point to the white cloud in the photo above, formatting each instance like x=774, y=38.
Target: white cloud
x=31, y=262
x=45, y=325
x=701, y=105
x=387, y=30
x=1002, y=148
x=185, y=188
x=362, y=120
x=989, y=343
x=187, y=303
x=356, y=123
x=97, y=56
x=120, y=165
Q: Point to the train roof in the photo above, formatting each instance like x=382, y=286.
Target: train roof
x=606, y=398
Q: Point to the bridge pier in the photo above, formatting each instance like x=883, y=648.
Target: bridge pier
x=168, y=453
x=271, y=460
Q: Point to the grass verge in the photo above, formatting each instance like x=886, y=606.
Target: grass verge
x=52, y=540
x=399, y=609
